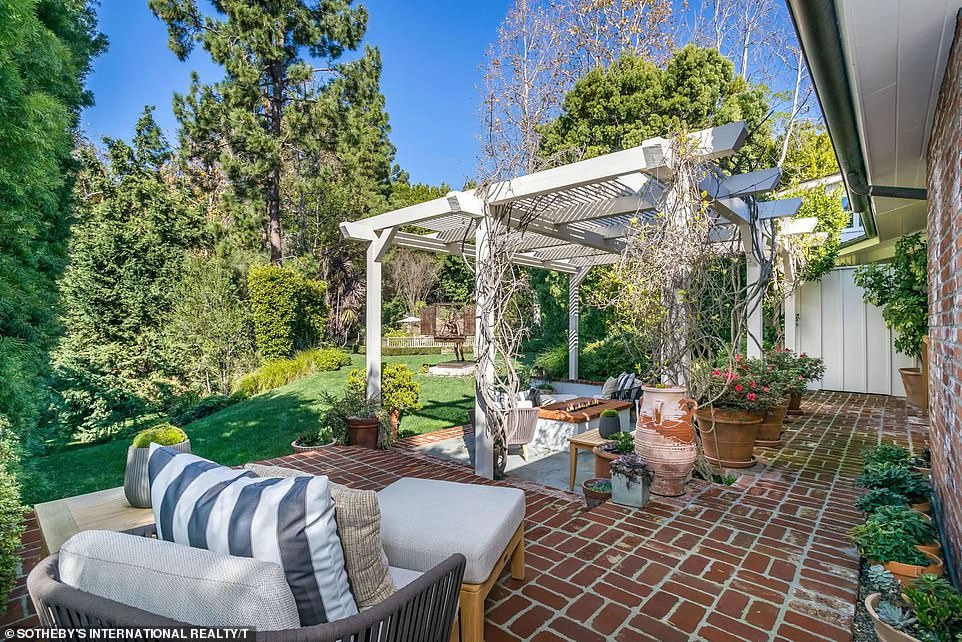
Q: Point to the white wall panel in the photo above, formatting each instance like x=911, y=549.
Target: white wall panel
x=835, y=324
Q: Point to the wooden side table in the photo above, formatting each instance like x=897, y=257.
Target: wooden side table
x=106, y=510
x=584, y=441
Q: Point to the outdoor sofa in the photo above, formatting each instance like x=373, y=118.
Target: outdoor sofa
x=435, y=535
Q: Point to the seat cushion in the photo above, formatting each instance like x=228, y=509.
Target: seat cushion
x=286, y=521
x=359, y=527
x=402, y=576
x=424, y=521
x=186, y=584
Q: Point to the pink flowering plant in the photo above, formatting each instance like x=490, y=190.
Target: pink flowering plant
x=797, y=369
x=745, y=384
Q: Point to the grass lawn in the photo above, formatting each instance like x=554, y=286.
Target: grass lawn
x=258, y=428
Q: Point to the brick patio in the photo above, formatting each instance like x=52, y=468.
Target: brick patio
x=767, y=558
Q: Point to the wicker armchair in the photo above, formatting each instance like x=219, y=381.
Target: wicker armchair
x=424, y=610
x=521, y=426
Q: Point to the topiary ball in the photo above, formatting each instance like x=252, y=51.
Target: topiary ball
x=161, y=434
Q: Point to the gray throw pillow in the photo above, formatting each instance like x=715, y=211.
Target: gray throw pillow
x=359, y=527
x=186, y=584
x=286, y=521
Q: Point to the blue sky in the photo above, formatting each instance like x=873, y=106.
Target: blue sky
x=431, y=51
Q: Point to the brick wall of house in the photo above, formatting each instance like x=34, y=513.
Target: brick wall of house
x=945, y=299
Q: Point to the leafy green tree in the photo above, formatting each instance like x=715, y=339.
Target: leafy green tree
x=210, y=327
x=127, y=250
x=267, y=50
x=810, y=155
x=634, y=99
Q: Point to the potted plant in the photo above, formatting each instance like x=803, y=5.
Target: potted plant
x=915, y=526
x=782, y=376
x=886, y=454
x=313, y=439
x=400, y=392
x=354, y=420
x=901, y=290
x=895, y=551
x=665, y=438
x=597, y=490
x=914, y=487
x=622, y=444
x=630, y=481
x=609, y=423
x=136, y=479
x=879, y=497
x=929, y=608
x=731, y=407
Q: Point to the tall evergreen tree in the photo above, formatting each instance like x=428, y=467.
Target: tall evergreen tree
x=267, y=49
x=126, y=256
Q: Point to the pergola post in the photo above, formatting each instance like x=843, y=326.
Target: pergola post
x=789, y=309
x=574, y=314
x=375, y=252
x=754, y=319
x=483, y=353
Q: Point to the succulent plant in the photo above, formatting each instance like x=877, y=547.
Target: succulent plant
x=895, y=615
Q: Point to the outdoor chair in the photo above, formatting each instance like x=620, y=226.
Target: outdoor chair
x=522, y=424
x=424, y=609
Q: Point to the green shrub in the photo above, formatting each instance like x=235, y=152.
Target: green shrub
x=617, y=353
x=878, y=497
x=883, y=545
x=912, y=524
x=399, y=390
x=281, y=372
x=914, y=486
x=287, y=309
x=161, y=434
x=11, y=517
x=552, y=363
x=887, y=453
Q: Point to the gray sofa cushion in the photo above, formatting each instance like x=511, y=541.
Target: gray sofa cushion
x=359, y=527
x=187, y=584
x=424, y=521
x=286, y=521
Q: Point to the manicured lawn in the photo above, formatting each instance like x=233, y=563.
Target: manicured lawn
x=259, y=428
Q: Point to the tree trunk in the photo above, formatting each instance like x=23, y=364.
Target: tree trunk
x=274, y=178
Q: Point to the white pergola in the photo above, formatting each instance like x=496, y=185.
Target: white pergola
x=579, y=214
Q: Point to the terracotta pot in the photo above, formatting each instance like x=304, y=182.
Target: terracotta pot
x=136, y=479
x=299, y=448
x=885, y=632
x=603, y=460
x=594, y=498
x=668, y=402
x=669, y=457
x=916, y=388
x=770, y=430
x=362, y=431
x=794, y=403
x=905, y=573
x=728, y=435
x=934, y=548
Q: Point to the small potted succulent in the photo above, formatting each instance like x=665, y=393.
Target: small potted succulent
x=623, y=443
x=929, y=608
x=313, y=439
x=895, y=551
x=914, y=487
x=609, y=423
x=597, y=490
x=630, y=481
x=136, y=479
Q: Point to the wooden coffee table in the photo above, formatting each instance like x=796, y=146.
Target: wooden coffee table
x=105, y=510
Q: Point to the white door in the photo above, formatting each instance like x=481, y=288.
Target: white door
x=835, y=324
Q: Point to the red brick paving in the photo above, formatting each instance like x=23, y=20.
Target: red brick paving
x=766, y=558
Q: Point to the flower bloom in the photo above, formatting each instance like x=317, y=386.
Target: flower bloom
x=751, y=396
x=764, y=388
x=716, y=372
x=738, y=387
x=753, y=384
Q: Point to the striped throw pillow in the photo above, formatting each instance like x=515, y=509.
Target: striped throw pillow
x=625, y=381
x=286, y=521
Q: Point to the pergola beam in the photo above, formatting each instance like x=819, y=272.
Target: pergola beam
x=708, y=144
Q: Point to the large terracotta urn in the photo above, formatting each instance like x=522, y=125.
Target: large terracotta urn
x=770, y=430
x=665, y=438
x=728, y=435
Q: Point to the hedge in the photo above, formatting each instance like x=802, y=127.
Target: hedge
x=287, y=309
x=280, y=372
x=11, y=518
x=404, y=351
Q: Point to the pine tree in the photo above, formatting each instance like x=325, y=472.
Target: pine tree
x=127, y=250
x=267, y=49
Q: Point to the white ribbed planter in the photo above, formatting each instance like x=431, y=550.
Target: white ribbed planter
x=136, y=479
